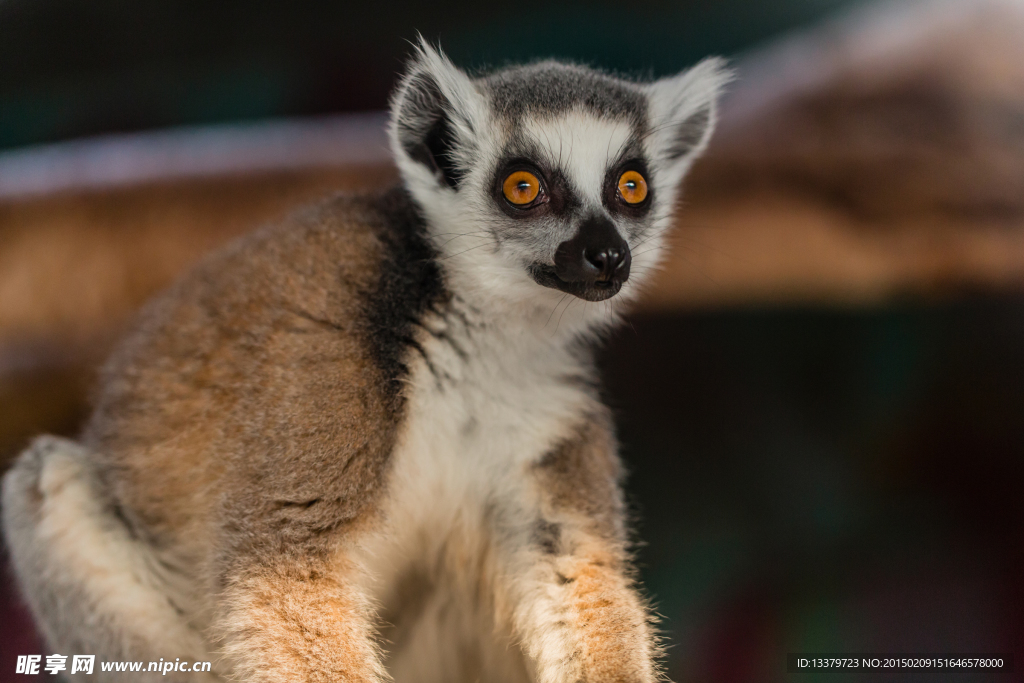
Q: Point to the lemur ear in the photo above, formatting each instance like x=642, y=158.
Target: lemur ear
x=435, y=115
x=683, y=110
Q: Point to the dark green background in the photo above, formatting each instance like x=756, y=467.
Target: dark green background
x=810, y=480
x=78, y=67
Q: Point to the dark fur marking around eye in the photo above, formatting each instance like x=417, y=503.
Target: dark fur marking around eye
x=559, y=197
x=690, y=133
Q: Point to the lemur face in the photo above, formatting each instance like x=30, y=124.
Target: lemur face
x=570, y=194
x=549, y=177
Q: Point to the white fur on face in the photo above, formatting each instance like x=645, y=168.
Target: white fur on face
x=583, y=147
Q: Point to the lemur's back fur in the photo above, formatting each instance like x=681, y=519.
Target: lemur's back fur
x=293, y=339
x=360, y=444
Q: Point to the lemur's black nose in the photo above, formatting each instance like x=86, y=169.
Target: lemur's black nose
x=605, y=260
x=595, y=262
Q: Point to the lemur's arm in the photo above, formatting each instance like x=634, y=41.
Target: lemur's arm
x=300, y=619
x=292, y=602
x=566, y=571
x=290, y=607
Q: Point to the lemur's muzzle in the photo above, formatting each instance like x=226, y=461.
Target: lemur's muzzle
x=592, y=265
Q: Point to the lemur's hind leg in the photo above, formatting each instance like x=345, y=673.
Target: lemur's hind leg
x=89, y=583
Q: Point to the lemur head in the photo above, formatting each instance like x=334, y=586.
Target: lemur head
x=551, y=178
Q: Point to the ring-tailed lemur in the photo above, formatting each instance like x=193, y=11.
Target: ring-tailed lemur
x=367, y=443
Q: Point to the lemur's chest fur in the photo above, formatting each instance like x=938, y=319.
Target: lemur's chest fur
x=483, y=405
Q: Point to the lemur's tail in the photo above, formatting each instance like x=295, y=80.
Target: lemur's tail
x=89, y=583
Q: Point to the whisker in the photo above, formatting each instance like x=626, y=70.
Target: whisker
x=479, y=236
x=445, y=258
x=554, y=309
x=709, y=247
x=563, y=314
x=699, y=270
x=648, y=239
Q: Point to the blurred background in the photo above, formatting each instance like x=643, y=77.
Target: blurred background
x=821, y=401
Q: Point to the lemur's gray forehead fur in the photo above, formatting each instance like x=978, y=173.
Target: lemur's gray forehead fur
x=552, y=88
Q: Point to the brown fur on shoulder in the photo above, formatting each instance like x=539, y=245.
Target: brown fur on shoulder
x=271, y=336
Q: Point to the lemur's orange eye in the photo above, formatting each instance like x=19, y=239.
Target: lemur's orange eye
x=521, y=187
x=632, y=187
